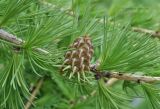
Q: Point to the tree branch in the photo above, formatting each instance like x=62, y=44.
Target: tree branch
x=124, y=76
x=133, y=77
x=111, y=81
x=147, y=31
x=10, y=38
x=135, y=29
x=13, y=39
x=34, y=93
x=17, y=41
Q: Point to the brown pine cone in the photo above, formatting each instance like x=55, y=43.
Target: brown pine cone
x=79, y=56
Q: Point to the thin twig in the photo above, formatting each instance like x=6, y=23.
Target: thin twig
x=123, y=76
x=34, y=93
x=83, y=98
x=135, y=29
x=10, y=38
x=17, y=41
x=133, y=77
x=52, y=6
x=147, y=31
x=111, y=81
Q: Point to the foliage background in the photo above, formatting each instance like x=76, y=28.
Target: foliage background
x=51, y=25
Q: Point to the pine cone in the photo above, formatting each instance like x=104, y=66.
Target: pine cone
x=79, y=57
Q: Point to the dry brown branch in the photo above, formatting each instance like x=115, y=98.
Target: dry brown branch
x=124, y=76
x=133, y=77
x=34, y=93
x=10, y=38
x=147, y=31
x=111, y=81
x=17, y=41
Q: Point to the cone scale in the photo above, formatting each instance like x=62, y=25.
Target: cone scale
x=78, y=58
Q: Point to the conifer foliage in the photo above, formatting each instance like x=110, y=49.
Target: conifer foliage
x=79, y=54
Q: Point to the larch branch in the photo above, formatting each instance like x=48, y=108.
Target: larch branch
x=13, y=39
x=123, y=76
x=133, y=77
x=17, y=41
x=10, y=38
x=147, y=31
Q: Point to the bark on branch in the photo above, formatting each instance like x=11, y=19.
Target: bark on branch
x=10, y=38
x=124, y=76
x=17, y=41
x=133, y=77
x=147, y=31
x=34, y=93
